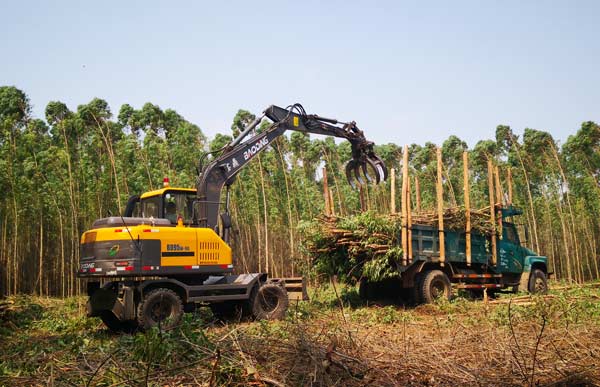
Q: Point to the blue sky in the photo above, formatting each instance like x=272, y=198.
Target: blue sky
x=405, y=71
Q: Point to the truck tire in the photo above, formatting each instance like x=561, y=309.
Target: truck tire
x=160, y=307
x=537, y=282
x=269, y=302
x=114, y=324
x=434, y=285
x=416, y=290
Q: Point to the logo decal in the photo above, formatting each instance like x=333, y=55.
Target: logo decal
x=256, y=147
x=114, y=250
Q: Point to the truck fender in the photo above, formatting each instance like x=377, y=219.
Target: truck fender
x=532, y=262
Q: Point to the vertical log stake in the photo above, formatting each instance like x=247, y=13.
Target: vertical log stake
x=440, y=207
x=492, y=209
x=467, y=190
x=393, y=191
x=404, y=222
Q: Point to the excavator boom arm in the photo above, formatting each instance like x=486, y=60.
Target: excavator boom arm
x=222, y=170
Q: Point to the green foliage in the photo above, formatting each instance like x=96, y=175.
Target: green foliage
x=351, y=262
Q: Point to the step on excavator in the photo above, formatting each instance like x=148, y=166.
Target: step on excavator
x=169, y=252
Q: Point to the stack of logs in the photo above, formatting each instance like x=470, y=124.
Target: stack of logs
x=482, y=221
x=379, y=243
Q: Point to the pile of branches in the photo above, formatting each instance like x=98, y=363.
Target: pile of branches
x=455, y=219
x=365, y=245
x=368, y=245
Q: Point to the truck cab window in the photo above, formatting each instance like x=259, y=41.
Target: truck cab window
x=510, y=233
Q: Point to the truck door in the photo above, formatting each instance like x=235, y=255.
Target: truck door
x=510, y=253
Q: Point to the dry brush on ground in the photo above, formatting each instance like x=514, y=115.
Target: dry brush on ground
x=332, y=340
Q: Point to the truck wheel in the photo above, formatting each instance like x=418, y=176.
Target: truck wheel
x=416, y=290
x=160, y=307
x=434, y=285
x=269, y=302
x=116, y=325
x=537, y=282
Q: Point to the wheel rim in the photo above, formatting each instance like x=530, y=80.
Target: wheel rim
x=539, y=285
x=269, y=301
x=438, y=289
x=160, y=311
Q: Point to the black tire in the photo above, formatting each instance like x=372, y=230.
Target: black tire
x=269, y=302
x=116, y=325
x=538, y=284
x=160, y=307
x=434, y=286
x=416, y=292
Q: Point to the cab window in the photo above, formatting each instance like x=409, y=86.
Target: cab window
x=178, y=204
x=510, y=234
x=151, y=207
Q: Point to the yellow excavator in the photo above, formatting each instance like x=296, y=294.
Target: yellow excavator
x=169, y=252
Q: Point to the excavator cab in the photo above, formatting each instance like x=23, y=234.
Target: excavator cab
x=167, y=203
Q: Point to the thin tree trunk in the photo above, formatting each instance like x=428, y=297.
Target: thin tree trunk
x=335, y=183
x=15, y=249
x=265, y=213
x=40, y=279
x=289, y=208
x=535, y=234
x=570, y=207
x=593, y=247
x=4, y=259
x=565, y=241
x=552, y=255
x=111, y=157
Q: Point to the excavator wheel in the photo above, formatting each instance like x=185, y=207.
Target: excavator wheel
x=160, y=307
x=269, y=302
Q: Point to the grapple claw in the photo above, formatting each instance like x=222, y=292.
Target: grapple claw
x=378, y=166
x=350, y=170
x=357, y=173
x=365, y=165
x=366, y=172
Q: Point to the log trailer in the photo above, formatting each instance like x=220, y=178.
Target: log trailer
x=429, y=275
x=170, y=252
